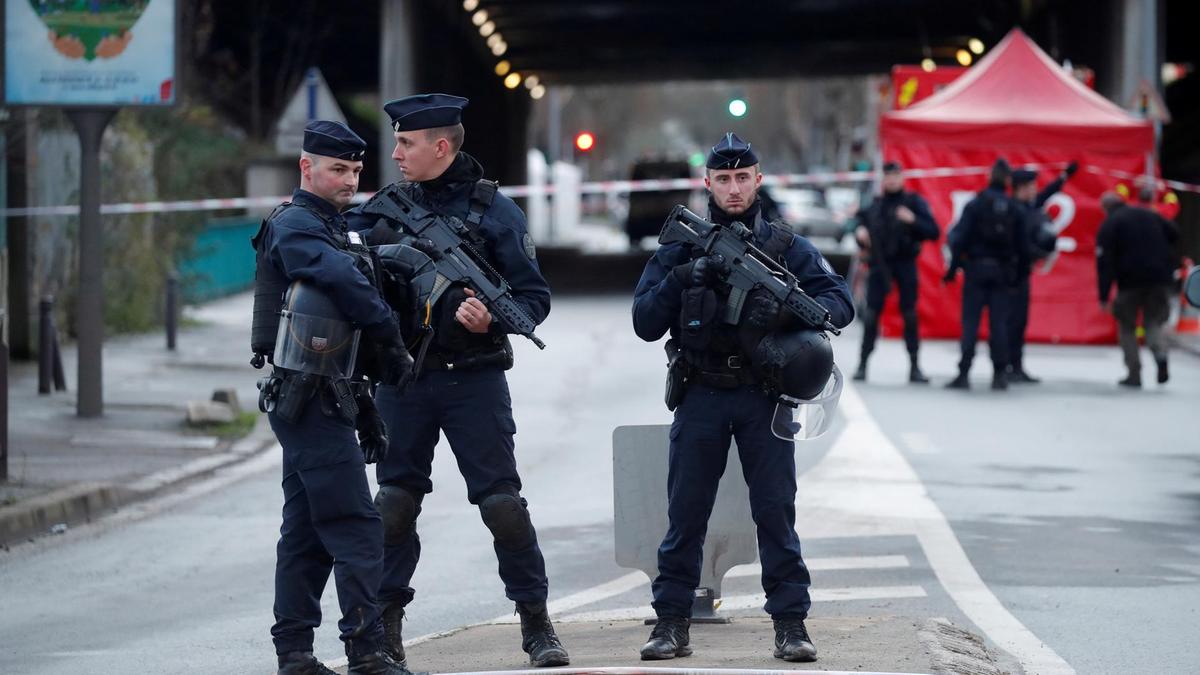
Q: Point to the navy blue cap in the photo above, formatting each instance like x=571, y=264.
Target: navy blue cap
x=1023, y=176
x=892, y=167
x=731, y=152
x=425, y=111
x=333, y=139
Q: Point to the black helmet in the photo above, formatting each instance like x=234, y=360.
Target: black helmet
x=795, y=363
x=314, y=336
x=410, y=288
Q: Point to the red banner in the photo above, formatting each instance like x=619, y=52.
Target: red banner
x=1065, y=305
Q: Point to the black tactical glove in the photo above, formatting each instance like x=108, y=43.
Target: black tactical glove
x=950, y=274
x=427, y=247
x=372, y=432
x=1072, y=167
x=763, y=311
x=704, y=271
x=395, y=363
x=382, y=233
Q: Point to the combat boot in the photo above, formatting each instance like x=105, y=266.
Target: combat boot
x=915, y=376
x=960, y=382
x=393, y=642
x=1133, y=381
x=860, y=375
x=1017, y=375
x=301, y=663
x=538, y=638
x=1163, y=375
x=792, y=642
x=668, y=639
x=376, y=663
x=1000, y=380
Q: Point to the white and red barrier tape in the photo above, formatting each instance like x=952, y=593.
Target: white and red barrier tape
x=593, y=187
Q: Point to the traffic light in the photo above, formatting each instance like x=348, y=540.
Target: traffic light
x=584, y=141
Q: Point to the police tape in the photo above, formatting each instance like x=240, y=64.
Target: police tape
x=814, y=179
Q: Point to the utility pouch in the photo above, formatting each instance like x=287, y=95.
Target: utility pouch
x=294, y=393
x=677, y=372
x=697, y=318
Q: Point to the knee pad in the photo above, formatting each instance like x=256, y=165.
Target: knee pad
x=508, y=519
x=399, y=509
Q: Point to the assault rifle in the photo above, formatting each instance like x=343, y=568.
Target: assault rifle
x=448, y=244
x=748, y=267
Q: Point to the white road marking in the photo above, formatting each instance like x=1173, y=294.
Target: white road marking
x=918, y=443
x=756, y=600
x=862, y=562
x=864, y=486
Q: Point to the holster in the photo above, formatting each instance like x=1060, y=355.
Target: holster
x=295, y=390
x=677, y=375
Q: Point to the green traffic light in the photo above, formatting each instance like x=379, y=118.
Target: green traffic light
x=737, y=107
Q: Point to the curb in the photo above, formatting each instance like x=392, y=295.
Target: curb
x=85, y=502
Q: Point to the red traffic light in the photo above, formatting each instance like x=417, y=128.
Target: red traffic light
x=584, y=141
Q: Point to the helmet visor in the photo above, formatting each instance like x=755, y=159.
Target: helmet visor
x=317, y=345
x=802, y=420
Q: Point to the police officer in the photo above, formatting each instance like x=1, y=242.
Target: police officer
x=1039, y=240
x=461, y=390
x=726, y=400
x=891, y=230
x=988, y=242
x=329, y=522
x=1136, y=248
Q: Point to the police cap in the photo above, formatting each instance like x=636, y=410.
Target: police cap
x=425, y=111
x=731, y=152
x=1023, y=176
x=333, y=139
x=892, y=167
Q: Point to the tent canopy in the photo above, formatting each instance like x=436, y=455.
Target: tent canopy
x=1018, y=96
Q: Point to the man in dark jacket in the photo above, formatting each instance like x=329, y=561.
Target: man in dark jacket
x=891, y=230
x=462, y=391
x=1135, y=247
x=1039, y=240
x=329, y=523
x=679, y=292
x=988, y=242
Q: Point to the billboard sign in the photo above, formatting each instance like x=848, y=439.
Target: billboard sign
x=89, y=52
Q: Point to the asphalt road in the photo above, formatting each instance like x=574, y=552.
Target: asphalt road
x=1076, y=504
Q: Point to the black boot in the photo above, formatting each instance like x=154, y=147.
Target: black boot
x=668, y=639
x=960, y=382
x=1131, y=380
x=792, y=642
x=538, y=638
x=393, y=642
x=915, y=376
x=1163, y=376
x=377, y=663
x=302, y=663
x=1000, y=380
x=1017, y=375
x=860, y=375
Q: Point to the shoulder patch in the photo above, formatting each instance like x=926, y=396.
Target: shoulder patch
x=825, y=264
x=530, y=251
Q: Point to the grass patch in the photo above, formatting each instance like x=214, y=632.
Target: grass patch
x=239, y=427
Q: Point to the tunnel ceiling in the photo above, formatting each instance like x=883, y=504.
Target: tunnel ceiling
x=587, y=41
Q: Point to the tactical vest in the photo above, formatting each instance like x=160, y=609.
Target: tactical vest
x=710, y=346
x=270, y=283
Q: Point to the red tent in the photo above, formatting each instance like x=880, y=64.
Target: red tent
x=1017, y=103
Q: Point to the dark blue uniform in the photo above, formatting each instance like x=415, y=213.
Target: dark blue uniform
x=895, y=246
x=329, y=522
x=988, y=242
x=470, y=406
x=1039, y=242
x=707, y=419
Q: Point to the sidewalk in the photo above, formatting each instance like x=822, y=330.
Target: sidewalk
x=65, y=470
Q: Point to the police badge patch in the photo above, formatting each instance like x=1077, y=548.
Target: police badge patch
x=825, y=265
x=530, y=251
x=319, y=344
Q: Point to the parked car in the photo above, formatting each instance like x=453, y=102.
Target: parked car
x=648, y=210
